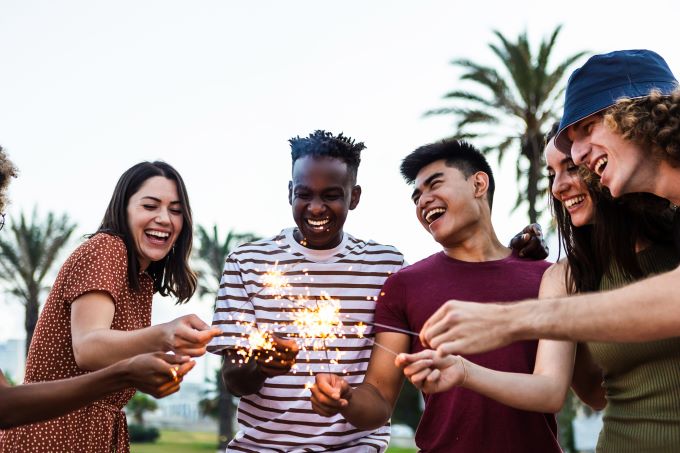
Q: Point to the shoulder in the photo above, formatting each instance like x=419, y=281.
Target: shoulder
x=372, y=247
x=554, y=281
x=418, y=269
x=260, y=248
x=101, y=245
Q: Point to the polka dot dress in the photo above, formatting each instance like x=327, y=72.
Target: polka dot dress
x=100, y=264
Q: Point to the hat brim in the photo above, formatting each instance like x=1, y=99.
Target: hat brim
x=602, y=101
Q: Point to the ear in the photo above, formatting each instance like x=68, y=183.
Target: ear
x=356, y=196
x=481, y=183
x=290, y=193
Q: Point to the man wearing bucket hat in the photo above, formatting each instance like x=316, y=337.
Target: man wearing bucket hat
x=622, y=120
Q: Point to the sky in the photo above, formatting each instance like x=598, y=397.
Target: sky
x=216, y=88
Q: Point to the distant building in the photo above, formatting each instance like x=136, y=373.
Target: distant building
x=181, y=411
x=13, y=359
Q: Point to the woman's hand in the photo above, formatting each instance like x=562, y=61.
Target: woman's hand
x=157, y=374
x=188, y=335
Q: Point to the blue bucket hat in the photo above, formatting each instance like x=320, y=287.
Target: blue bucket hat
x=605, y=78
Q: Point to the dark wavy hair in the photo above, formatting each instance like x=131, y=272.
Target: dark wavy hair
x=171, y=275
x=609, y=243
x=324, y=144
x=456, y=153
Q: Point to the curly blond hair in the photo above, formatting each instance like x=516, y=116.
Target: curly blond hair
x=652, y=122
x=7, y=171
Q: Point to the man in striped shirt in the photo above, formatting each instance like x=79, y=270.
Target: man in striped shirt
x=270, y=285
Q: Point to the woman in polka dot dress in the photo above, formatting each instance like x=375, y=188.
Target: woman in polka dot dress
x=99, y=309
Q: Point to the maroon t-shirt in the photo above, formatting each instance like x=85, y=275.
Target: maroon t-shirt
x=461, y=420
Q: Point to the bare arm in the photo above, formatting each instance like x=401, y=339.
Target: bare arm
x=587, y=380
x=643, y=311
x=370, y=405
x=96, y=345
x=542, y=391
x=30, y=403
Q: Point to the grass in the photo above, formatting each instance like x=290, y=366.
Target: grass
x=191, y=442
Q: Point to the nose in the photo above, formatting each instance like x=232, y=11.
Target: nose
x=580, y=151
x=316, y=206
x=163, y=217
x=561, y=183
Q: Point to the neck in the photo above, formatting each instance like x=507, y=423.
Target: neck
x=480, y=245
x=667, y=183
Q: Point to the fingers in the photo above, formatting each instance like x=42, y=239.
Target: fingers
x=327, y=394
x=402, y=360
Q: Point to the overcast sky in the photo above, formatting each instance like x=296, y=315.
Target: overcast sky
x=89, y=88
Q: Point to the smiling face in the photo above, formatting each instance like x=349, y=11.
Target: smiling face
x=621, y=164
x=448, y=205
x=154, y=216
x=321, y=194
x=568, y=188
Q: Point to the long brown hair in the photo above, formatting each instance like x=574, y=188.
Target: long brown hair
x=171, y=275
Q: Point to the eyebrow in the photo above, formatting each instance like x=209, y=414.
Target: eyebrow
x=427, y=182
x=158, y=200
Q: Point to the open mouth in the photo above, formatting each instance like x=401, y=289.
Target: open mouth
x=318, y=224
x=158, y=237
x=574, y=201
x=434, y=214
x=600, y=165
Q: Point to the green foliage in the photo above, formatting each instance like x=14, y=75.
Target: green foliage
x=139, y=405
x=28, y=255
x=520, y=98
x=408, y=410
x=142, y=434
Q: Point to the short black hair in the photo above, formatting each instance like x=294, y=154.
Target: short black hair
x=324, y=144
x=457, y=153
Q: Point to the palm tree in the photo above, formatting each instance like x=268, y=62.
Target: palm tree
x=27, y=258
x=211, y=252
x=522, y=99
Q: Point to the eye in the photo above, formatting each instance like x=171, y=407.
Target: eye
x=436, y=183
x=332, y=197
x=149, y=207
x=415, y=200
x=176, y=211
x=303, y=195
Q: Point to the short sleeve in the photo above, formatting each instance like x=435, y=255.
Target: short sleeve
x=234, y=311
x=390, y=309
x=100, y=264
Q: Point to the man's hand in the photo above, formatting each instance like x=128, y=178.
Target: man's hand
x=529, y=243
x=431, y=373
x=468, y=328
x=188, y=335
x=279, y=361
x=330, y=394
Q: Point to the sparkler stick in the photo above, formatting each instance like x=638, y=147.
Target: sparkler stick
x=377, y=324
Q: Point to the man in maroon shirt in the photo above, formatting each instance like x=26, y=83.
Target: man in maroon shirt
x=453, y=196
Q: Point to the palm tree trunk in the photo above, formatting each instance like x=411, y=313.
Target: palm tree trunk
x=31, y=318
x=535, y=154
x=225, y=410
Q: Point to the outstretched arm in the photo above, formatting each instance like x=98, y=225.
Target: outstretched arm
x=370, y=405
x=96, y=345
x=542, y=391
x=150, y=373
x=643, y=311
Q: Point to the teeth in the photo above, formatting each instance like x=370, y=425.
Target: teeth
x=431, y=213
x=159, y=234
x=573, y=201
x=600, y=164
x=318, y=222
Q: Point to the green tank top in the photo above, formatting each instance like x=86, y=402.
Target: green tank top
x=642, y=380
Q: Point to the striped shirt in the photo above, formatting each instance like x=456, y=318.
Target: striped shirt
x=267, y=284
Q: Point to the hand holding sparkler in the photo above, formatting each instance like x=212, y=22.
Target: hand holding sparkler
x=157, y=374
x=431, y=373
x=278, y=358
x=188, y=335
x=330, y=394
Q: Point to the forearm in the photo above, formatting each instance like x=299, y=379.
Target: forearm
x=367, y=409
x=587, y=379
x=644, y=311
x=103, y=347
x=40, y=401
x=529, y=392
